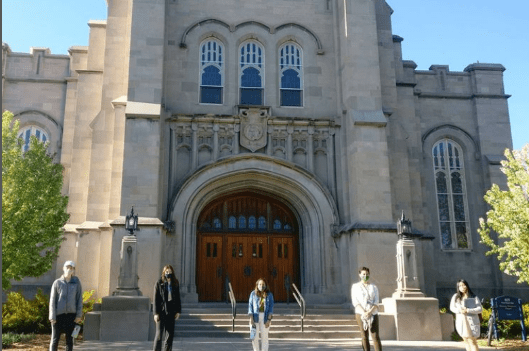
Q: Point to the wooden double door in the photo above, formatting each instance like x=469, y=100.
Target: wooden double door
x=242, y=259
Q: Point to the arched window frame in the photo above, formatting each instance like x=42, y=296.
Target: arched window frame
x=451, y=195
x=211, y=57
x=290, y=59
x=251, y=56
x=32, y=130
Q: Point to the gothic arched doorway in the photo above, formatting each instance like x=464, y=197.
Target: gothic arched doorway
x=242, y=237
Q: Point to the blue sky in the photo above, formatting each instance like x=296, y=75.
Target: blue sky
x=446, y=32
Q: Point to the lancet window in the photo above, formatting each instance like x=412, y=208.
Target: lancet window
x=251, y=73
x=452, y=204
x=211, y=72
x=291, y=74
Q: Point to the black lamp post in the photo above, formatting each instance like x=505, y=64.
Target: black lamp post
x=131, y=221
x=404, y=229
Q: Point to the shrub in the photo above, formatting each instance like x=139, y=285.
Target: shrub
x=10, y=338
x=88, y=302
x=31, y=316
x=22, y=316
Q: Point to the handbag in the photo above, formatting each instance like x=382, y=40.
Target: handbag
x=253, y=331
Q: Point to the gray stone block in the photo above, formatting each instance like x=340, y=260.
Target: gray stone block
x=447, y=326
x=92, y=325
x=125, y=318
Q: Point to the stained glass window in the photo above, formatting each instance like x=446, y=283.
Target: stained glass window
x=211, y=71
x=291, y=72
x=262, y=222
x=242, y=222
x=217, y=224
x=26, y=134
x=252, y=223
x=451, y=195
x=232, y=222
x=251, y=64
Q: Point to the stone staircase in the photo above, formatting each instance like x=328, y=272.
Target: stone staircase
x=215, y=320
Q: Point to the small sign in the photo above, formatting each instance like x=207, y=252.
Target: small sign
x=506, y=308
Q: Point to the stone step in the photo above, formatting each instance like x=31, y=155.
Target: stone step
x=272, y=335
x=225, y=316
x=321, y=322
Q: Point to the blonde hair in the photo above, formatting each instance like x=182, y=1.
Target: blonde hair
x=263, y=293
x=174, y=281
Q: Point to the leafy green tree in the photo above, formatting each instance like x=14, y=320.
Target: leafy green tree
x=33, y=209
x=509, y=216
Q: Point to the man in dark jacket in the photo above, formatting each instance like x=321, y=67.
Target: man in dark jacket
x=167, y=308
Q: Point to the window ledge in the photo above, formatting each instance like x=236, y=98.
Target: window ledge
x=458, y=250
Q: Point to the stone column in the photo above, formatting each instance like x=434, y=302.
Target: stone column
x=215, y=141
x=407, y=280
x=310, y=149
x=128, y=271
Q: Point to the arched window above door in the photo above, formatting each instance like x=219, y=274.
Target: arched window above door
x=211, y=71
x=291, y=74
x=251, y=73
x=247, y=213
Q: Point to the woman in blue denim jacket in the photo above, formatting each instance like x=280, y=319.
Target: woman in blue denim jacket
x=261, y=310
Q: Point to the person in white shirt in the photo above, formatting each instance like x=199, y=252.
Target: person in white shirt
x=364, y=297
x=467, y=307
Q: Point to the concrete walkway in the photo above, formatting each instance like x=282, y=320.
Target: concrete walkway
x=214, y=344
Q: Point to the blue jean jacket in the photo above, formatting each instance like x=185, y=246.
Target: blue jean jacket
x=253, y=306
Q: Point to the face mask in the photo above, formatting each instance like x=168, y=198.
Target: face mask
x=366, y=278
x=68, y=272
x=261, y=288
x=168, y=275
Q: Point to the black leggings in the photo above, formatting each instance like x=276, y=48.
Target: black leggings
x=65, y=324
x=164, y=333
x=365, y=334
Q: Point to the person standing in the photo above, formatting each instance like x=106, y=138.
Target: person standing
x=364, y=297
x=466, y=306
x=261, y=310
x=167, y=308
x=66, y=306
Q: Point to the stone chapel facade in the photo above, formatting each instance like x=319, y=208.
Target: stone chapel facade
x=273, y=138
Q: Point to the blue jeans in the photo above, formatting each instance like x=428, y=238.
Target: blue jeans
x=65, y=324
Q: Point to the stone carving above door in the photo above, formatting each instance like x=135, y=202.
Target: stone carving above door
x=197, y=140
x=253, y=121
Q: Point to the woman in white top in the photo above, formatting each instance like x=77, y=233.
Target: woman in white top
x=467, y=307
x=364, y=297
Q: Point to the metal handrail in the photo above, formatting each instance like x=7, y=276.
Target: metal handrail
x=301, y=302
x=233, y=307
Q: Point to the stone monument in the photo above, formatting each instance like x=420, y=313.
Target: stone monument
x=124, y=316
x=416, y=316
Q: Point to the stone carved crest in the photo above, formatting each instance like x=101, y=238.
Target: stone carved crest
x=253, y=128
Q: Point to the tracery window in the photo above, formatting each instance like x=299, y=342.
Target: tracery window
x=452, y=205
x=291, y=74
x=211, y=72
x=251, y=74
x=26, y=134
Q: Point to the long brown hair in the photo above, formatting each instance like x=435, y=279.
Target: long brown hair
x=266, y=290
x=174, y=281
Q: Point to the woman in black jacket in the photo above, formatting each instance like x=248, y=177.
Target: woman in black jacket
x=167, y=308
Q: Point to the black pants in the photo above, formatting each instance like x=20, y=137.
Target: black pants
x=65, y=324
x=365, y=333
x=164, y=332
